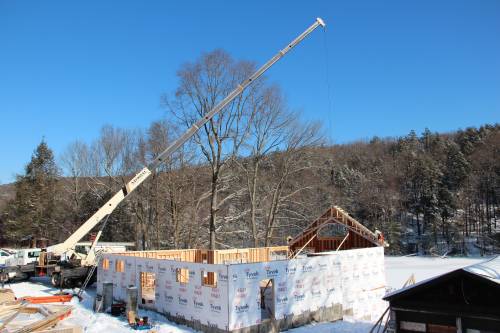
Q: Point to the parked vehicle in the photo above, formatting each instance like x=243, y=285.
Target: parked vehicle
x=23, y=257
x=4, y=256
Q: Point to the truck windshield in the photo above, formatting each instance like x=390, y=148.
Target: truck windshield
x=82, y=249
x=34, y=254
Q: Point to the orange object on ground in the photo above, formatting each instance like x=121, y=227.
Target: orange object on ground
x=65, y=315
x=48, y=299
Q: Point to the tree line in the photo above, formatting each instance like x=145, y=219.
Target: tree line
x=257, y=173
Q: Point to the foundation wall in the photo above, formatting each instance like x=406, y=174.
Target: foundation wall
x=344, y=284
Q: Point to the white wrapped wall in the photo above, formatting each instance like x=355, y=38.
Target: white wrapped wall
x=299, y=285
x=363, y=282
x=353, y=278
x=191, y=300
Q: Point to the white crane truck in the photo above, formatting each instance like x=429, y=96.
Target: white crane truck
x=69, y=268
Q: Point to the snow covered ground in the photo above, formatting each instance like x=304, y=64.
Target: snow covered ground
x=398, y=270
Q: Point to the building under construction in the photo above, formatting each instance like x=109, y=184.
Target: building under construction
x=314, y=278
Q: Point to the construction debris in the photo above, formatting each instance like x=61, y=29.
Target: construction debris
x=62, y=298
x=30, y=315
x=21, y=317
x=6, y=295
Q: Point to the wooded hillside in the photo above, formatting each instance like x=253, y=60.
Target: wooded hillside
x=256, y=174
x=431, y=190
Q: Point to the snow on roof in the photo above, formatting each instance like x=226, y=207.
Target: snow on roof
x=411, y=286
x=489, y=269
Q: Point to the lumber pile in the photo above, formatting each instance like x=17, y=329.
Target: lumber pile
x=6, y=295
x=21, y=316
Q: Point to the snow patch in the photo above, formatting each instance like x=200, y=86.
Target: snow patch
x=398, y=270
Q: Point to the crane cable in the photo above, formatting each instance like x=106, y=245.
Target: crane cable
x=328, y=84
x=329, y=112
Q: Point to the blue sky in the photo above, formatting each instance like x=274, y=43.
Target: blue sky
x=69, y=67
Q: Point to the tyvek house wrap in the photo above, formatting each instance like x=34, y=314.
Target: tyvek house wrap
x=191, y=301
x=299, y=285
x=363, y=283
x=353, y=278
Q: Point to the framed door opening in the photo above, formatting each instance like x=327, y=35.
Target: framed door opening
x=148, y=283
x=266, y=287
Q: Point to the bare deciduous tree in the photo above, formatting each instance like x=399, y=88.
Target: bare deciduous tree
x=286, y=164
x=202, y=85
x=75, y=163
x=267, y=133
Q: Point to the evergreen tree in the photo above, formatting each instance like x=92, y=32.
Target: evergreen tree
x=394, y=236
x=34, y=209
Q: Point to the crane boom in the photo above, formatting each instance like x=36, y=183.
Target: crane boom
x=143, y=174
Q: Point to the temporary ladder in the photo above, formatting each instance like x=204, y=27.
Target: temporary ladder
x=89, y=275
x=335, y=215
